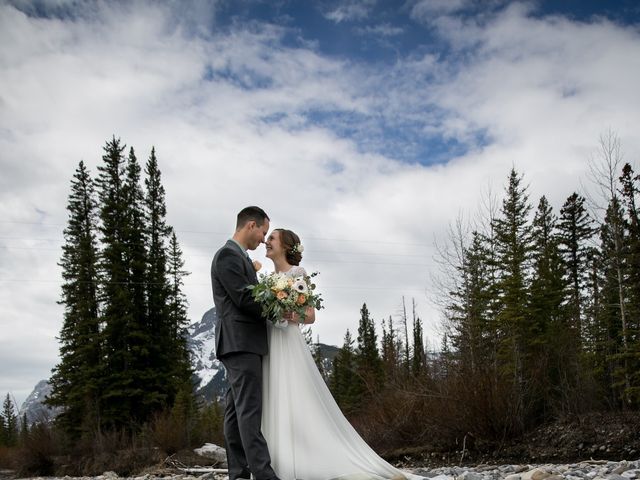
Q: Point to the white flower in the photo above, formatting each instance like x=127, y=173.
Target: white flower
x=280, y=282
x=300, y=286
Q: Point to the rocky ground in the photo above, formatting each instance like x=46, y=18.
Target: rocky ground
x=594, y=447
x=590, y=470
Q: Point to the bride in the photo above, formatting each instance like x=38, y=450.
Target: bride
x=307, y=435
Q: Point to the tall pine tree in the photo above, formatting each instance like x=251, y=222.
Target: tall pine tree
x=75, y=380
x=472, y=330
x=180, y=368
x=10, y=422
x=513, y=254
x=157, y=281
x=124, y=396
x=368, y=363
x=630, y=190
x=613, y=320
x=390, y=351
x=554, y=343
x=576, y=230
x=344, y=379
x=418, y=358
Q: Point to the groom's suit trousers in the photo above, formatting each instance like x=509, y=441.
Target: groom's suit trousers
x=247, y=449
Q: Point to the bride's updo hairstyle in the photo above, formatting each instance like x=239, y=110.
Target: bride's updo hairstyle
x=291, y=244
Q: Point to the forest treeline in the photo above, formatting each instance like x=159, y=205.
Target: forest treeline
x=542, y=321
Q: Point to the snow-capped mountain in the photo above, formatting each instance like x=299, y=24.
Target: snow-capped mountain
x=34, y=405
x=209, y=374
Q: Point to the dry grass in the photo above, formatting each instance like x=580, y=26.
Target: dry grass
x=48, y=451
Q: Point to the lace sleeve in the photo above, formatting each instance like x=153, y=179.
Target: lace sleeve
x=297, y=271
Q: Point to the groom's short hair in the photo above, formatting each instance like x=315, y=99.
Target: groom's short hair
x=249, y=214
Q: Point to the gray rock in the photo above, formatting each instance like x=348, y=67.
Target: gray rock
x=469, y=475
x=213, y=452
x=555, y=477
x=631, y=473
x=207, y=476
x=573, y=477
x=614, y=476
x=534, y=474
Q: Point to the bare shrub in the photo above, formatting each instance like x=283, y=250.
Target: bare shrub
x=168, y=433
x=36, y=455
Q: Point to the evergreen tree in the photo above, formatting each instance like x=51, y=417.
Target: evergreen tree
x=629, y=193
x=316, y=352
x=596, y=333
x=10, y=421
x=390, y=353
x=344, y=380
x=612, y=317
x=158, y=234
x=368, y=363
x=75, y=379
x=513, y=254
x=158, y=290
x=146, y=339
x=3, y=433
x=24, y=429
x=418, y=359
x=124, y=399
x=177, y=316
x=406, y=349
x=575, y=227
x=472, y=330
x=554, y=342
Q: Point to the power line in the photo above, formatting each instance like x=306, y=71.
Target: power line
x=198, y=284
x=210, y=232
x=307, y=260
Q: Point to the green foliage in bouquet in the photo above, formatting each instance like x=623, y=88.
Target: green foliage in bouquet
x=279, y=293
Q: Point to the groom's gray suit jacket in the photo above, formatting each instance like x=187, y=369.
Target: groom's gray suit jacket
x=241, y=326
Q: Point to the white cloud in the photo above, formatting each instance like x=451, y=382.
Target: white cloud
x=351, y=10
x=427, y=10
x=380, y=30
x=232, y=118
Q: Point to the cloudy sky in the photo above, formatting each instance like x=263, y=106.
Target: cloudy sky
x=365, y=126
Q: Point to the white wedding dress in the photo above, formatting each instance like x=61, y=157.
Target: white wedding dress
x=308, y=436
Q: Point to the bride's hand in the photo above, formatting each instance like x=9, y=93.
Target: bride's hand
x=291, y=317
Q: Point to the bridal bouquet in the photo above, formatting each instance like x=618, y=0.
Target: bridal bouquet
x=278, y=293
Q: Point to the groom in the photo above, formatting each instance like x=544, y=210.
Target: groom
x=241, y=341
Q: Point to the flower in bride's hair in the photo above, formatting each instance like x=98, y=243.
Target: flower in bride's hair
x=297, y=248
x=257, y=265
x=300, y=286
